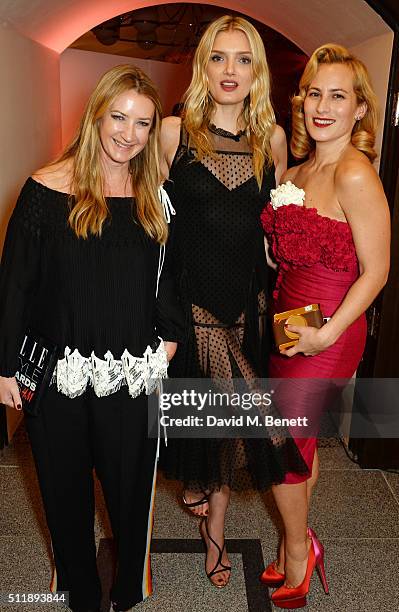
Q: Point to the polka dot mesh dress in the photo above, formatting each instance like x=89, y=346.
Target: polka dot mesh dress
x=220, y=264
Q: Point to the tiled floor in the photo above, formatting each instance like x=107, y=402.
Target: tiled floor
x=355, y=513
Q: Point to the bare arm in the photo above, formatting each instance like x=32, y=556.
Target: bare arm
x=278, y=143
x=170, y=137
x=363, y=201
x=170, y=348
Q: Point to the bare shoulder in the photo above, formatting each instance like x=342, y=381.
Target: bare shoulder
x=170, y=134
x=290, y=174
x=278, y=138
x=358, y=188
x=278, y=144
x=171, y=123
x=170, y=137
x=56, y=176
x=355, y=172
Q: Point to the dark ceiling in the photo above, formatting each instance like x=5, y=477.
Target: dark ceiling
x=171, y=32
x=168, y=33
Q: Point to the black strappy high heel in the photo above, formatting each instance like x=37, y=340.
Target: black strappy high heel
x=215, y=571
x=191, y=505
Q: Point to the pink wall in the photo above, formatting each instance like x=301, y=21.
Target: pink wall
x=30, y=111
x=30, y=129
x=56, y=24
x=80, y=71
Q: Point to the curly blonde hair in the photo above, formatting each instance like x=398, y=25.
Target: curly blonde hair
x=89, y=208
x=258, y=115
x=364, y=130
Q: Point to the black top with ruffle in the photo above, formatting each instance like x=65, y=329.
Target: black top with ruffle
x=97, y=294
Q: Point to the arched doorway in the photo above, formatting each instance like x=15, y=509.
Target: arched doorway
x=32, y=38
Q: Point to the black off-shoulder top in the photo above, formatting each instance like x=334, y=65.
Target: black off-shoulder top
x=96, y=295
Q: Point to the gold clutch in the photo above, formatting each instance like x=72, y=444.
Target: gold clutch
x=306, y=316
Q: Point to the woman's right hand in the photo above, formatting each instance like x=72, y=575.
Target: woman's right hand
x=9, y=393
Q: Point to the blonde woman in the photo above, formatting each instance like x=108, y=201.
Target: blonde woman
x=81, y=268
x=223, y=158
x=334, y=251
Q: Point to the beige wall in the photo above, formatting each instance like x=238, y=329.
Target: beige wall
x=80, y=71
x=376, y=54
x=30, y=111
x=30, y=128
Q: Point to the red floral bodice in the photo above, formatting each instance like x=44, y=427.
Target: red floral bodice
x=300, y=236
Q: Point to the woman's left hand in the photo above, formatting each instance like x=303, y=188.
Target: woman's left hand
x=170, y=348
x=312, y=341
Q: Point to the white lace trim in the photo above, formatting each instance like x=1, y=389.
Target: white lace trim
x=73, y=373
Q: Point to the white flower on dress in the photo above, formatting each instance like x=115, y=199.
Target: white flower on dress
x=286, y=193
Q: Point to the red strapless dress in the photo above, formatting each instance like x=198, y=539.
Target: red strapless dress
x=317, y=264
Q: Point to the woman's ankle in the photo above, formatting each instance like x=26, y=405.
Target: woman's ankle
x=297, y=551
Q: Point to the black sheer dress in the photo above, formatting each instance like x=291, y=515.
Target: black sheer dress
x=220, y=263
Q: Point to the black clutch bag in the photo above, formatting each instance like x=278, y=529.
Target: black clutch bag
x=37, y=360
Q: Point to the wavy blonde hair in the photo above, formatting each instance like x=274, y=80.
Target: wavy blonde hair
x=89, y=208
x=364, y=130
x=257, y=114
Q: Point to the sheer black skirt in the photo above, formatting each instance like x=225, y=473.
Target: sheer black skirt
x=224, y=353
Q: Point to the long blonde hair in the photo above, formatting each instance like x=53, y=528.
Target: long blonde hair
x=258, y=115
x=364, y=130
x=89, y=208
